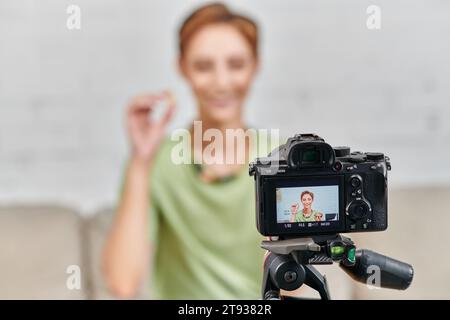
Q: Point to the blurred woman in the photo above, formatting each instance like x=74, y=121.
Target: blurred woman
x=195, y=223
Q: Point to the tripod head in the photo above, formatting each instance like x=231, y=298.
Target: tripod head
x=289, y=265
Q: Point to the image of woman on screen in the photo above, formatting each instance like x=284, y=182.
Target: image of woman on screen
x=307, y=214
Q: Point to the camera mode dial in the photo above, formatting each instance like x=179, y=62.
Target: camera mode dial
x=375, y=156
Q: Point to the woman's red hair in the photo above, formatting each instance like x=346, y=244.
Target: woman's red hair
x=307, y=192
x=216, y=13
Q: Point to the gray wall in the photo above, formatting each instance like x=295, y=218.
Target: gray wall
x=63, y=92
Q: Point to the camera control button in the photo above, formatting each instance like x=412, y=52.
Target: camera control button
x=337, y=166
x=375, y=156
x=358, y=209
x=355, y=182
x=341, y=151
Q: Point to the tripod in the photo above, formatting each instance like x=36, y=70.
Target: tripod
x=289, y=265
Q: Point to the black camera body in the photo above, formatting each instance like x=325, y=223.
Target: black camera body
x=305, y=187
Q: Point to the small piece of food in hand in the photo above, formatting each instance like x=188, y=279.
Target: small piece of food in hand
x=166, y=101
x=171, y=100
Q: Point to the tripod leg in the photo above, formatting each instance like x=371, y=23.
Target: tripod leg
x=317, y=281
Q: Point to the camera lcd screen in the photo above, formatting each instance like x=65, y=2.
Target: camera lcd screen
x=307, y=204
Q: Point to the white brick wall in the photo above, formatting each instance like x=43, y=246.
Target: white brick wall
x=63, y=93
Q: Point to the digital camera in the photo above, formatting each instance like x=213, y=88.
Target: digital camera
x=305, y=187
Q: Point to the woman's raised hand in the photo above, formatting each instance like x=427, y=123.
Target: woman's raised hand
x=145, y=134
x=294, y=208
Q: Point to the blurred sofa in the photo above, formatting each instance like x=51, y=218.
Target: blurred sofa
x=38, y=243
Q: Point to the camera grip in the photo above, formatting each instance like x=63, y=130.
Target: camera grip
x=394, y=274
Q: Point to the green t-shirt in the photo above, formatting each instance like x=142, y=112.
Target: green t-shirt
x=204, y=234
x=299, y=217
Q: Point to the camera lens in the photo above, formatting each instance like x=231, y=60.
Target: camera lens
x=355, y=182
